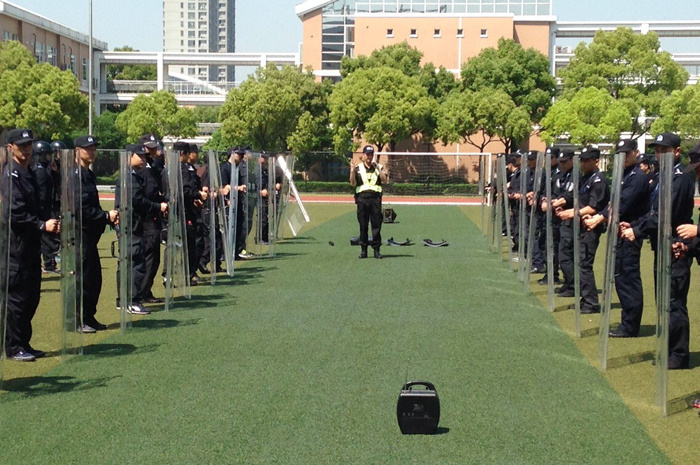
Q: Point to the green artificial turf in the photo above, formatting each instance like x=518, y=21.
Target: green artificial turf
x=300, y=359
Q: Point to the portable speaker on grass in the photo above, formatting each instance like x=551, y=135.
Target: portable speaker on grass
x=418, y=410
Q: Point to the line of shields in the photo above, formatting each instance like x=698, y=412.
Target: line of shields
x=495, y=212
x=264, y=211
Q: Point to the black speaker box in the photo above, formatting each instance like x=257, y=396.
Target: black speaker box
x=418, y=410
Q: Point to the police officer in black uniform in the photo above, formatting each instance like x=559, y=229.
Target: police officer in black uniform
x=142, y=209
x=594, y=196
x=150, y=177
x=93, y=220
x=514, y=200
x=236, y=156
x=265, y=193
x=42, y=155
x=24, y=287
x=564, y=202
x=682, y=202
x=552, y=157
x=367, y=177
x=634, y=203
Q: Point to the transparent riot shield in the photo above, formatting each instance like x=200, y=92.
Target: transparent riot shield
x=177, y=273
x=5, y=209
x=663, y=280
x=505, y=209
x=496, y=236
x=491, y=202
x=482, y=196
x=532, y=223
x=610, y=255
x=125, y=238
x=254, y=244
x=71, y=255
x=550, y=235
x=274, y=191
x=233, y=213
x=218, y=221
x=295, y=215
x=524, y=171
x=577, y=246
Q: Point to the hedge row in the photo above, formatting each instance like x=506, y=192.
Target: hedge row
x=398, y=189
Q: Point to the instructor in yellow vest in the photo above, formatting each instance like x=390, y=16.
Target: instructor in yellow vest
x=367, y=178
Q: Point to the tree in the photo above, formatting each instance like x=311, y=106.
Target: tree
x=105, y=129
x=400, y=56
x=38, y=96
x=523, y=74
x=157, y=113
x=439, y=82
x=590, y=116
x=481, y=117
x=264, y=112
x=680, y=112
x=631, y=67
x=131, y=72
x=207, y=114
x=380, y=105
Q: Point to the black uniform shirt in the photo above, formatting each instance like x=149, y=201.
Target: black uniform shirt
x=594, y=191
x=634, y=196
x=25, y=225
x=142, y=207
x=93, y=218
x=44, y=180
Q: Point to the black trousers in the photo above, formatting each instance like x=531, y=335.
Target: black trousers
x=50, y=245
x=679, y=323
x=566, y=254
x=369, y=211
x=628, y=283
x=90, y=278
x=542, y=244
x=22, y=301
x=515, y=224
x=589, y=291
x=241, y=227
x=192, y=255
x=138, y=269
x=150, y=246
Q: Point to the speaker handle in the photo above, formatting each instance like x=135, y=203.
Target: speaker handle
x=410, y=384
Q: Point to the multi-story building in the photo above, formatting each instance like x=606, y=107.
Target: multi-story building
x=49, y=41
x=200, y=26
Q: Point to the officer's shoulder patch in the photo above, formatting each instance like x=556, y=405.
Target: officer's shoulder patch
x=678, y=171
x=15, y=174
x=148, y=165
x=597, y=180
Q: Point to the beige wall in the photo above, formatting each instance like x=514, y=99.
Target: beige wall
x=311, y=40
x=533, y=35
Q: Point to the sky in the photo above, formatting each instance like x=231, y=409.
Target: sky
x=272, y=26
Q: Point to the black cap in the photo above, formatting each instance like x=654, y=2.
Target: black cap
x=517, y=154
x=368, y=149
x=553, y=152
x=694, y=156
x=20, y=136
x=566, y=155
x=511, y=159
x=181, y=146
x=85, y=141
x=589, y=153
x=532, y=155
x=666, y=139
x=626, y=145
x=138, y=149
x=150, y=140
x=194, y=148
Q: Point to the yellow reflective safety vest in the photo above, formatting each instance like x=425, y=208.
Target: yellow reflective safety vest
x=369, y=180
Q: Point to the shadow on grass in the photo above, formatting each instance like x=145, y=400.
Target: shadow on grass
x=647, y=330
x=590, y=332
x=631, y=359
x=393, y=255
x=149, y=324
x=680, y=404
x=114, y=350
x=37, y=386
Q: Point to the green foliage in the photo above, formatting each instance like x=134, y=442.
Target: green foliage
x=157, y=113
x=216, y=142
x=591, y=115
x=523, y=74
x=680, y=113
x=439, y=82
x=401, y=57
x=480, y=117
x=38, y=96
x=631, y=67
x=207, y=114
x=105, y=129
x=395, y=189
x=380, y=105
x=266, y=111
x=131, y=72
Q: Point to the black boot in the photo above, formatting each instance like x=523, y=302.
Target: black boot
x=377, y=254
x=363, y=253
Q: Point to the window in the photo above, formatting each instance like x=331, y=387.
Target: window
x=182, y=33
x=190, y=24
x=437, y=33
x=182, y=43
x=190, y=34
x=414, y=33
x=190, y=43
x=72, y=63
x=182, y=5
x=85, y=69
x=390, y=33
x=202, y=6
x=190, y=6
x=182, y=15
x=190, y=15
x=484, y=33
x=460, y=32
